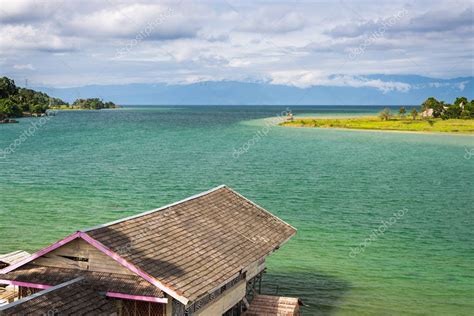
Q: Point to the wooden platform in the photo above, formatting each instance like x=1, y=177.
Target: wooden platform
x=12, y=258
x=7, y=295
x=266, y=305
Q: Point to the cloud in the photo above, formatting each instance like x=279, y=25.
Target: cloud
x=24, y=67
x=159, y=22
x=272, y=22
x=462, y=85
x=453, y=85
x=440, y=21
x=27, y=37
x=378, y=25
x=219, y=37
x=305, y=79
x=23, y=11
x=293, y=43
x=405, y=21
x=361, y=82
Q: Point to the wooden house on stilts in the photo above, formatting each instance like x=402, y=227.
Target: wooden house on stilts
x=199, y=256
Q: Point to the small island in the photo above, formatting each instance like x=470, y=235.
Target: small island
x=435, y=116
x=18, y=102
x=86, y=104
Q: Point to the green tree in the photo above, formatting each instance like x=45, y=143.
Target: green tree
x=414, y=113
x=7, y=87
x=402, y=111
x=93, y=104
x=460, y=100
x=432, y=103
x=453, y=111
x=468, y=112
x=38, y=108
x=385, y=114
x=109, y=105
x=438, y=109
x=9, y=109
x=57, y=102
x=16, y=101
x=429, y=103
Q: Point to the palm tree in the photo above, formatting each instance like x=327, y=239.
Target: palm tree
x=414, y=113
x=385, y=114
x=402, y=111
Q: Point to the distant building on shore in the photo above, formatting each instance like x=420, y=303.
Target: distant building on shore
x=427, y=113
x=204, y=255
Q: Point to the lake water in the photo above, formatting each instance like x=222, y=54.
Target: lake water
x=83, y=168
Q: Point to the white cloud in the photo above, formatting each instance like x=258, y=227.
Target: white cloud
x=27, y=37
x=292, y=43
x=24, y=67
x=359, y=82
x=462, y=85
x=157, y=21
x=305, y=79
x=23, y=11
x=269, y=21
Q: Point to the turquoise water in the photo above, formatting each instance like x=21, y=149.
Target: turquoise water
x=82, y=168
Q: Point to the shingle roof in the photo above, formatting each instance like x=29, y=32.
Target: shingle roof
x=106, y=282
x=187, y=249
x=74, y=297
x=195, y=245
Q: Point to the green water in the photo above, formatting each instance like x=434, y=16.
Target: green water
x=84, y=168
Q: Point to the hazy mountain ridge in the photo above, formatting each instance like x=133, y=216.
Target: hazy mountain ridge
x=414, y=89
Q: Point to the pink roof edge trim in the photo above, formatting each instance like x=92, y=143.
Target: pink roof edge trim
x=133, y=268
x=109, y=294
x=41, y=253
x=106, y=251
x=25, y=284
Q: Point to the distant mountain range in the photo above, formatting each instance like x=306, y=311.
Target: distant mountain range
x=337, y=90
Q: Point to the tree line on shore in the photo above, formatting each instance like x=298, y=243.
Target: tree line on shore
x=460, y=109
x=17, y=102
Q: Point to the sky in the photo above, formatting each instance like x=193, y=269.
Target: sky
x=294, y=43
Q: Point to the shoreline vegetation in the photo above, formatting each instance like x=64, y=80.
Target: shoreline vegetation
x=18, y=102
x=435, y=117
x=395, y=124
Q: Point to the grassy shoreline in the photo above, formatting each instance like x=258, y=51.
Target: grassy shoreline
x=394, y=124
x=76, y=108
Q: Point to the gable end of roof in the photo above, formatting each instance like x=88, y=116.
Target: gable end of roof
x=107, y=252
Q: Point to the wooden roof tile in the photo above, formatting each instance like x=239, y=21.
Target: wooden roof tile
x=75, y=297
x=195, y=245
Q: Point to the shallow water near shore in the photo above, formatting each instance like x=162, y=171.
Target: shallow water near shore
x=336, y=187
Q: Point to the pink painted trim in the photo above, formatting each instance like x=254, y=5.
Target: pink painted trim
x=133, y=268
x=138, y=297
x=40, y=253
x=25, y=284
x=106, y=251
